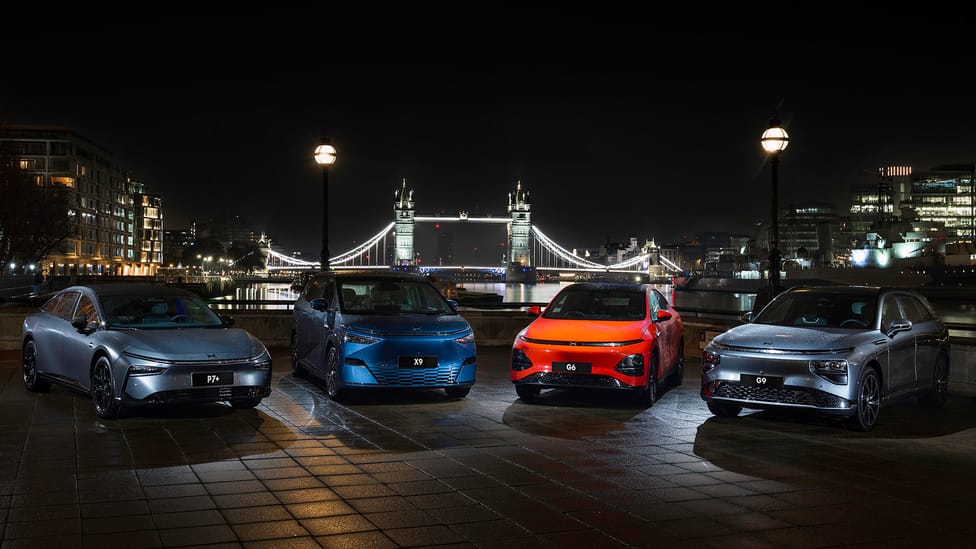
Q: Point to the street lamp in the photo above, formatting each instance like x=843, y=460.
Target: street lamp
x=325, y=156
x=774, y=141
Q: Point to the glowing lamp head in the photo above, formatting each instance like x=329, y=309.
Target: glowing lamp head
x=325, y=155
x=775, y=139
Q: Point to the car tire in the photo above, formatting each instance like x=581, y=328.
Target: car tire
x=648, y=394
x=32, y=381
x=296, y=369
x=245, y=403
x=333, y=378
x=868, y=404
x=103, y=390
x=527, y=392
x=724, y=409
x=936, y=396
x=457, y=392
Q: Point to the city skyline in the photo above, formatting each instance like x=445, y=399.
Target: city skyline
x=654, y=136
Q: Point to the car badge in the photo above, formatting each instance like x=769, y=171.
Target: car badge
x=211, y=356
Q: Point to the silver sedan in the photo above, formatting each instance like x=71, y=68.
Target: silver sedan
x=133, y=344
x=839, y=350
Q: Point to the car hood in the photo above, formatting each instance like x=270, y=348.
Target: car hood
x=592, y=331
x=192, y=344
x=407, y=324
x=789, y=338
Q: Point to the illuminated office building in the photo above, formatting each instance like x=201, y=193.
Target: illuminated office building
x=104, y=203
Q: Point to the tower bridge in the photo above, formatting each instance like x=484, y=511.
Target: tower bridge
x=531, y=253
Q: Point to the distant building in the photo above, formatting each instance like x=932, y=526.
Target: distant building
x=945, y=195
x=119, y=226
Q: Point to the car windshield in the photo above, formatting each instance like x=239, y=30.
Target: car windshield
x=820, y=309
x=390, y=297
x=157, y=311
x=597, y=304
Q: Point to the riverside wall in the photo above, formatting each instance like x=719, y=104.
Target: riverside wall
x=496, y=328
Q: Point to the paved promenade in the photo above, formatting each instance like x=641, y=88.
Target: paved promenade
x=418, y=469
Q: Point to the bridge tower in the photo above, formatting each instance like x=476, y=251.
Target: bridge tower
x=520, y=268
x=403, y=224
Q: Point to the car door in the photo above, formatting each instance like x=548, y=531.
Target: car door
x=901, y=348
x=666, y=330
x=305, y=320
x=929, y=337
x=78, y=344
x=51, y=331
x=321, y=326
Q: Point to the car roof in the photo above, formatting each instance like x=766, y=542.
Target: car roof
x=600, y=285
x=842, y=289
x=132, y=288
x=360, y=274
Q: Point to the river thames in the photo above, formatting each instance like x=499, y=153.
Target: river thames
x=720, y=303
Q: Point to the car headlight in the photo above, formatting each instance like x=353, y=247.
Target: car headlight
x=358, y=339
x=834, y=371
x=710, y=359
x=631, y=365
x=466, y=339
x=520, y=361
x=145, y=370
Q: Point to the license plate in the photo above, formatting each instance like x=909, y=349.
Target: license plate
x=572, y=367
x=211, y=379
x=417, y=362
x=761, y=381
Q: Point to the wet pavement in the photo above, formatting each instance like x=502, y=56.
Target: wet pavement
x=418, y=469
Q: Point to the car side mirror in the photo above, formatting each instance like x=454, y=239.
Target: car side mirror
x=534, y=310
x=227, y=320
x=747, y=317
x=896, y=326
x=320, y=304
x=453, y=303
x=663, y=315
x=80, y=323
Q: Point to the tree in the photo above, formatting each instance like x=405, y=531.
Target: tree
x=34, y=218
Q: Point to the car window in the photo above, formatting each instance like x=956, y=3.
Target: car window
x=372, y=296
x=812, y=309
x=315, y=289
x=62, y=305
x=158, y=311
x=599, y=304
x=914, y=309
x=889, y=311
x=86, y=308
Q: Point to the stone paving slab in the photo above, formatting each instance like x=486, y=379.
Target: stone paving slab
x=417, y=469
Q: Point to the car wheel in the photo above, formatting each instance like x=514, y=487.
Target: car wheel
x=868, y=401
x=648, y=395
x=457, y=392
x=296, y=369
x=527, y=392
x=333, y=382
x=936, y=395
x=245, y=403
x=32, y=381
x=103, y=391
x=724, y=409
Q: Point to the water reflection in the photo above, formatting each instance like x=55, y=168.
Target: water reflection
x=280, y=295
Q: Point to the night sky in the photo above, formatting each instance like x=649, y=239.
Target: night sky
x=640, y=127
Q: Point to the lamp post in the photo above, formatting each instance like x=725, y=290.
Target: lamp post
x=325, y=156
x=774, y=141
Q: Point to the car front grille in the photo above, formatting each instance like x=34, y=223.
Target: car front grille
x=206, y=394
x=416, y=377
x=556, y=379
x=797, y=396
